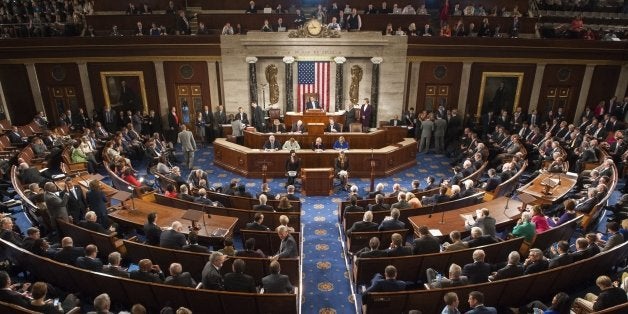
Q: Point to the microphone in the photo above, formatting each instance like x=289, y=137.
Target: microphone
x=442, y=218
x=432, y=211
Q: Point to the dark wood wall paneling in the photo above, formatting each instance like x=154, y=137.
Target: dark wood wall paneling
x=200, y=77
x=555, y=76
x=451, y=79
x=603, y=84
x=475, y=82
x=150, y=81
x=17, y=93
x=67, y=75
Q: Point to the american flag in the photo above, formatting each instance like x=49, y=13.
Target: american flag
x=313, y=77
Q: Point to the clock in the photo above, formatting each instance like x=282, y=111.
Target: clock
x=314, y=27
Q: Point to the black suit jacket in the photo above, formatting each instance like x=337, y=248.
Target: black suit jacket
x=147, y=276
x=310, y=105
x=115, y=271
x=379, y=207
x=152, y=233
x=196, y=248
x=509, y=271
x=561, y=260
x=182, y=280
x=256, y=226
x=260, y=207
x=277, y=283
x=14, y=297
x=172, y=239
x=93, y=226
x=399, y=251
x=482, y=240
x=238, y=282
x=536, y=267
x=336, y=127
x=477, y=272
x=362, y=226
x=391, y=224
x=68, y=255
x=425, y=245
x=93, y=264
x=77, y=206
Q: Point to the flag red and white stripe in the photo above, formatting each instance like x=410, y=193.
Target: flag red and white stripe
x=313, y=77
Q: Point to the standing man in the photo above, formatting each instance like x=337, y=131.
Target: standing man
x=173, y=124
x=207, y=116
x=188, y=145
x=365, y=115
x=56, y=204
x=109, y=116
x=312, y=104
x=257, y=117
x=427, y=128
x=220, y=118
x=440, y=127
x=241, y=115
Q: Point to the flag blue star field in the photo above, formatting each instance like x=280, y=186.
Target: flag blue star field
x=313, y=77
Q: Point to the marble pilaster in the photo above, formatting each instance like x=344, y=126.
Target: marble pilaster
x=35, y=89
x=465, y=77
x=584, y=90
x=536, y=86
x=161, y=90
x=87, y=88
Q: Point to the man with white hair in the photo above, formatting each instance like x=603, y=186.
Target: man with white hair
x=401, y=201
x=178, y=277
x=173, y=238
x=212, y=279
x=263, y=199
x=396, y=190
x=288, y=246
x=478, y=271
x=455, y=278
x=512, y=269
x=366, y=224
x=379, y=189
x=102, y=303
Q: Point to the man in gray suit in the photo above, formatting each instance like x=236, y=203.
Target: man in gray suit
x=275, y=282
x=440, y=127
x=427, y=128
x=212, y=279
x=288, y=246
x=188, y=145
x=56, y=204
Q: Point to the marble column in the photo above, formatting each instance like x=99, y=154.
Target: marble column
x=339, y=91
x=214, y=85
x=35, y=89
x=414, y=66
x=288, y=61
x=375, y=89
x=584, y=90
x=622, y=82
x=87, y=88
x=252, y=78
x=536, y=87
x=465, y=78
x=161, y=91
x=3, y=104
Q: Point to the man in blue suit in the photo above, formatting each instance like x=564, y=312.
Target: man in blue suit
x=389, y=284
x=394, y=223
x=476, y=302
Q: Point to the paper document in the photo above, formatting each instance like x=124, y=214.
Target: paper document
x=436, y=232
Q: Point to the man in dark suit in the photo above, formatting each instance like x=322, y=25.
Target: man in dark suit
x=113, y=268
x=562, y=257
x=89, y=261
x=511, y=270
x=183, y=23
x=16, y=138
x=609, y=296
x=372, y=250
x=178, y=277
x=389, y=284
x=288, y=246
x=615, y=238
x=212, y=279
x=333, y=126
x=8, y=234
x=365, y=225
x=238, y=281
x=454, y=278
x=173, y=238
x=485, y=222
x=299, y=127
x=194, y=246
x=28, y=175
x=535, y=262
x=397, y=248
x=90, y=223
x=493, y=181
x=220, y=118
x=68, y=253
x=393, y=223
x=478, y=271
x=76, y=200
x=241, y=115
x=476, y=302
x=425, y=243
x=401, y=201
x=581, y=250
x=395, y=121
x=262, y=204
x=312, y=103
x=379, y=204
x=8, y=295
x=257, y=117
x=148, y=272
x=353, y=207
x=258, y=219
x=152, y=231
x=379, y=189
x=272, y=144
x=249, y=249
x=275, y=282
x=478, y=238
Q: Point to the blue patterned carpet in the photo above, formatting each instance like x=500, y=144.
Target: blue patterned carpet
x=326, y=287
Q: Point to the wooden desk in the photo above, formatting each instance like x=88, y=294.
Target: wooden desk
x=376, y=139
x=317, y=181
x=167, y=215
x=247, y=162
x=535, y=188
x=453, y=220
x=291, y=118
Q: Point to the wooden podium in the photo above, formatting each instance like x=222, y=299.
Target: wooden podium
x=317, y=181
